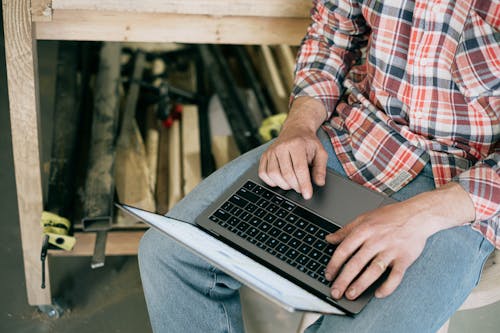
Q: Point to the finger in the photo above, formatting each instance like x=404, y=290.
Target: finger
x=343, y=252
x=351, y=270
x=319, y=166
x=286, y=168
x=301, y=169
x=275, y=174
x=339, y=235
x=372, y=273
x=263, y=171
x=392, y=282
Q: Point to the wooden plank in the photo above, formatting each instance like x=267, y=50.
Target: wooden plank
x=286, y=63
x=191, y=160
x=159, y=27
x=131, y=169
x=175, y=164
x=274, y=8
x=270, y=72
x=22, y=79
x=118, y=243
x=41, y=10
x=161, y=194
x=224, y=149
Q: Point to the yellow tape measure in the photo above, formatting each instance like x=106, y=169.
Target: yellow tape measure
x=57, y=228
x=271, y=126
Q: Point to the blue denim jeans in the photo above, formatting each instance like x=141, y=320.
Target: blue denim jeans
x=186, y=294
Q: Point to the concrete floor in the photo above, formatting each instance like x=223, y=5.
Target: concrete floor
x=111, y=299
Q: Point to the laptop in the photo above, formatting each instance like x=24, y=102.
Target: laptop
x=273, y=240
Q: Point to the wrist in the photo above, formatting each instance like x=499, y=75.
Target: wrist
x=443, y=208
x=307, y=113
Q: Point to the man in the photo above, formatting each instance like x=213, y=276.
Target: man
x=419, y=121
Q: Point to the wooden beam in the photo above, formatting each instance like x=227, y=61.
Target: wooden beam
x=160, y=27
x=286, y=62
x=175, y=164
x=22, y=78
x=270, y=72
x=41, y=10
x=118, y=243
x=274, y=8
x=191, y=160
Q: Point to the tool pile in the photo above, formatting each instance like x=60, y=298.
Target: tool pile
x=143, y=125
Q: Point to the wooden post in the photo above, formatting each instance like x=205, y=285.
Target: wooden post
x=20, y=50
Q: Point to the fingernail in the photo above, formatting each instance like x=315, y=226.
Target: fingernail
x=336, y=293
x=351, y=293
x=328, y=276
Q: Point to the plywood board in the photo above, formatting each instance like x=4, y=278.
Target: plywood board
x=175, y=164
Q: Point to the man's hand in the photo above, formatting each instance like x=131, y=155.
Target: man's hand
x=286, y=162
x=392, y=237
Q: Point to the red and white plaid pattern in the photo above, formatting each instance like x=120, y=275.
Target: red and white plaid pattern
x=429, y=90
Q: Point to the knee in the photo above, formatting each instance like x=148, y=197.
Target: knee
x=154, y=248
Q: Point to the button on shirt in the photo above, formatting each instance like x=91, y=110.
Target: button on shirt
x=428, y=90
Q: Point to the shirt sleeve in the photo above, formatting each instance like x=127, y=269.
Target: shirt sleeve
x=332, y=44
x=482, y=182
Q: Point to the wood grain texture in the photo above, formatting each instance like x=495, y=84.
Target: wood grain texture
x=175, y=165
x=191, y=160
x=286, y=63
x=160, y=27
x=41, y=10
x=22, y=81
x=117, y=243
x=272, y=77
x=275, y=8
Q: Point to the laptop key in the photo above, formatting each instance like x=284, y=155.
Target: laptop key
x=320, y=244
x=279, y=223
x=294, y=242
x=314, y=254
x=284, y=237
x=305, y=248
x=312, y=229
x=246, y=216
x=250, y=208
x=271, y=242
x=259, y=212
x=309, y=240
x=249, y=185
x=292, y=253
x=287, y=205
x=282, y=213
x=277, y=200
x=253, y=231
x=274, y=232
x=324, y=259
x=243, y=226
x=289, y=228
x=299, y=234
x=237, y=200
x=227, y=206
x=262, y=237
x=245, y=193
x=272, y=208
x=221, y=214
x=282, y=248
x=270, y=218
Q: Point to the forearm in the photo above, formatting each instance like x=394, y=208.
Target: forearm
x=306, y=112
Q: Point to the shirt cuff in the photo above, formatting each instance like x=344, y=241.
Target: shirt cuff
x=483, y=185
x=318, y=85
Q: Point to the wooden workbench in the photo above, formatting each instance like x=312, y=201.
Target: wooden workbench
x=199, y=21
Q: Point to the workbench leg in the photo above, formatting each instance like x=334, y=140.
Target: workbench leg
x=22, y=78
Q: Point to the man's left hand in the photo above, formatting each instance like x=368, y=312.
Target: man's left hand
x=392, y=237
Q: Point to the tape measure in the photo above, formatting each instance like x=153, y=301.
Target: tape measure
x=57, y=229
x=271, y=126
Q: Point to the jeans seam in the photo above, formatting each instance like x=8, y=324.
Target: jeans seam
x=228, y=322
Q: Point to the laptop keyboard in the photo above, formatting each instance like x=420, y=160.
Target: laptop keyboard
x=280, y=227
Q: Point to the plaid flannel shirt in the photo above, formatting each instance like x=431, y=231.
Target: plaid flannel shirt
x=429, y=90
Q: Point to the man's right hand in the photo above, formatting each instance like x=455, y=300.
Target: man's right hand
x=286, y=162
